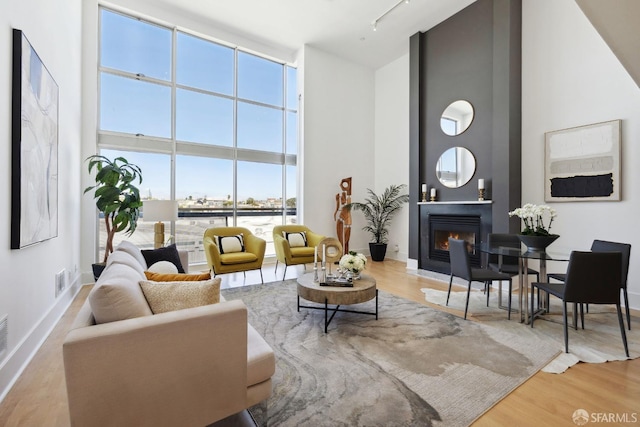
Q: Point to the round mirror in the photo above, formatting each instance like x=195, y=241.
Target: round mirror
x=456, y=118
x=455, y=167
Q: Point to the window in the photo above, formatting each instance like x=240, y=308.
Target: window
x=259, y=128
x=135, y=47
x=449, y=126
x=260, y=80
x=204, y=65
x=219, y=135
x=203, y=118
x=134, y=106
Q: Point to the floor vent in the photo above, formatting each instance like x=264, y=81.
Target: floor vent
x=3, y=336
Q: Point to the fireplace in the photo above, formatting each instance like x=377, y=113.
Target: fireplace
x=468, y=221
x=463, y=227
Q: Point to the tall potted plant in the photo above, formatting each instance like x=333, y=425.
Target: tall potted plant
x=378, y=212
x=117, y=198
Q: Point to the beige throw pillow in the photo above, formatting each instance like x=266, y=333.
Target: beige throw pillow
x=229, y=244
x=163, y=267
x=297, y=239
x=171, y=296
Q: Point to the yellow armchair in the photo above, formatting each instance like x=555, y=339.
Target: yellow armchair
x=249, y=259
x=296, y=255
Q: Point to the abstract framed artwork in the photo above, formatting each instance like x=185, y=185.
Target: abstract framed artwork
x=583, y=163
x=34, y=151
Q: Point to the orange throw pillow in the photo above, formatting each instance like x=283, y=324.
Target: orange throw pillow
x=177, y=277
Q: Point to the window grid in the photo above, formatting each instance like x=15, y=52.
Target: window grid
x=110, y=139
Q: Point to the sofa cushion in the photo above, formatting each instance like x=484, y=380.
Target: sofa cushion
x=133, y=250
x=238, y=258
x=117, y=295
x=171, y=296
x=177, y=277
x=124, y=258
x=296, y=239
x=304, y=251
x=261, y=361
x=229, y=244
x=168, y=253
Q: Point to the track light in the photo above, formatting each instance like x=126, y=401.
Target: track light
x=374, y=24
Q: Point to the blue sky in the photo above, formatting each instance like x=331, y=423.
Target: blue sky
x=140, y=107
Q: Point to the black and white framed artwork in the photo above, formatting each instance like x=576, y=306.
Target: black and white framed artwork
x=583, y=163
x=34, y=162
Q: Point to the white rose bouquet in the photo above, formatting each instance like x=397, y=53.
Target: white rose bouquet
x=353, y=262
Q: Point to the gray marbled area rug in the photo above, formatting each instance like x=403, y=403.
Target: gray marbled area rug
x=414, y=366
x=599, y=342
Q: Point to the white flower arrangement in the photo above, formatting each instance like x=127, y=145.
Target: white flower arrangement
x=533, y=218
x=353, y=262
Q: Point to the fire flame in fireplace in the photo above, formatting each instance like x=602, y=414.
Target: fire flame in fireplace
x=444, y=244
x=442, y=239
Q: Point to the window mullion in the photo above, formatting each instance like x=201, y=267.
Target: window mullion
x=284, y=144
x=235, y=137
x=174, y=59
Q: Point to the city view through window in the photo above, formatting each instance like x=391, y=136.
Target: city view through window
x=219, y=134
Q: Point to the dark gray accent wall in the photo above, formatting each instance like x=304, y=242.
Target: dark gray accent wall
x=415, y=148
x=507, y=115
x=474, y=55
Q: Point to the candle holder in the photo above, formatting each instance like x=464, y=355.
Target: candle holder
x=432, y=198
x=315, y=273
x=424, y=196
x=481, y=194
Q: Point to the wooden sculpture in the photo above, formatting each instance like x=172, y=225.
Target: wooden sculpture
x=342, y=215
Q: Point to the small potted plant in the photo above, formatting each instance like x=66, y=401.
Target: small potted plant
x=117, y=198
x=378, y=212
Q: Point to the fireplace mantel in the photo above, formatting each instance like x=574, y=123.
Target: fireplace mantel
x=458, y=202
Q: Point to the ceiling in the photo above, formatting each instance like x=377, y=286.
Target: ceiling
x=618, y=26
x=341, y=27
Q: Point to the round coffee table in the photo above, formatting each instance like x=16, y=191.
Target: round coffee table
x=363, y=290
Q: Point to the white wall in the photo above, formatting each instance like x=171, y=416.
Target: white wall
x=392, y=144
x=338, y=123
x=27, y=293
x=571, y=78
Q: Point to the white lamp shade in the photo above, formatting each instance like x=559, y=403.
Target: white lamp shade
x=160, y=210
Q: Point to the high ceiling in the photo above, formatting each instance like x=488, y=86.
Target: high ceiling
x=618, y=26
x=341, y=27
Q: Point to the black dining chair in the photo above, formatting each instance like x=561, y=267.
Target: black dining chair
x=592, y=278
x=461, y=267
x=606, y=246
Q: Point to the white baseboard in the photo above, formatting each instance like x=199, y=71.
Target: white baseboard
x=634, y=300
x=17, y=361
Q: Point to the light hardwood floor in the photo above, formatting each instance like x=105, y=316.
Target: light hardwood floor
x=39, y=397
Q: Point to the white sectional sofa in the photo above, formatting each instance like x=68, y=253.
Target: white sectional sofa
x=188, y=367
